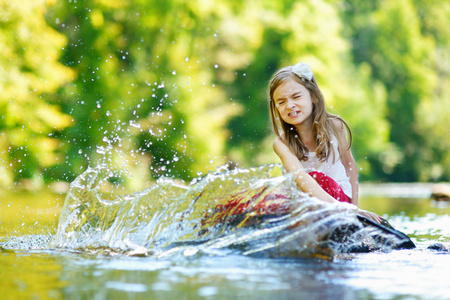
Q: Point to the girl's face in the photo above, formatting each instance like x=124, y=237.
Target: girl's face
x=293, y=102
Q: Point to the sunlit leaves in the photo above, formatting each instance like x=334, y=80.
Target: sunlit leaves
x=177, y=87
x=392, y=37
x=29, y=70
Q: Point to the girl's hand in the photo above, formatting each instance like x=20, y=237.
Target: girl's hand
x=370, y=215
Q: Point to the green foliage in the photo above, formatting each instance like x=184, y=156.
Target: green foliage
x=145, y=77
x=434, y=111
x=29, y=72
x=177, y=88
x=396, y=39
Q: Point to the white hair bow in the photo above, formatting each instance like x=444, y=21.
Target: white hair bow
x=303, y=70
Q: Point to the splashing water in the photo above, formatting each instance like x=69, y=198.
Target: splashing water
x=249, y=211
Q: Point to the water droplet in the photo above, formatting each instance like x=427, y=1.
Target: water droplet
x=100, y=150
x=134, y=124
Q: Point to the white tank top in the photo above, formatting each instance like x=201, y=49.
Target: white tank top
x=335, y=170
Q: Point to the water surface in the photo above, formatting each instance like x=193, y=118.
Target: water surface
x=30, y=268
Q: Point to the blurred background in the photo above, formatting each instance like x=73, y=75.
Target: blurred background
x=177, y=88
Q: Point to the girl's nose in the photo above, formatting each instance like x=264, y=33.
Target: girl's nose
x=291, y=103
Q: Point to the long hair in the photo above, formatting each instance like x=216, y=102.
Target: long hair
x=323, y=126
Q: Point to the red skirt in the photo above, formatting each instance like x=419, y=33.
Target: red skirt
x=330, y=186
x=245, y=210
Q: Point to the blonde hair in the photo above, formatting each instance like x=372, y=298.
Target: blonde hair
x=323, y=126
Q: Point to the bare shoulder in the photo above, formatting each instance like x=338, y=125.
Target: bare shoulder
x=338, y=124
x=280, y=140
x=287, y=157
x=280, y=147
x=339, y=127
x=278, y=144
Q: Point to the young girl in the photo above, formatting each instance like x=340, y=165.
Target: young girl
x=312, y=142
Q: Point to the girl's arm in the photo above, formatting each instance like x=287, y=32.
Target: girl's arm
x=348, y=161
x=304, y=181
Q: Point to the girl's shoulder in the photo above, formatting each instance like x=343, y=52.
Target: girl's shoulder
x=339, y=128
x=337, y=122
x=280, y=144
x=280, y=139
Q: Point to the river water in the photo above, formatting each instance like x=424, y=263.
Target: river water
x=172, y=242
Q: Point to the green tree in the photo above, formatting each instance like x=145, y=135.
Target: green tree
x=145, y=92
x=434, y=111
x=29, y=73
x=177, y=88
x=389, y=37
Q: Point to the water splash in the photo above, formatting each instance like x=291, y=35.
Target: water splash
x=249, y=211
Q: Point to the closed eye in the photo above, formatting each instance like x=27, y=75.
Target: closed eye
x=280, y=102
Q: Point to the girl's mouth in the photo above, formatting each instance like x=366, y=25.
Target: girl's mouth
x=294, y=114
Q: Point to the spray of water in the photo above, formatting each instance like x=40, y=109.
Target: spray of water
x=249, y=211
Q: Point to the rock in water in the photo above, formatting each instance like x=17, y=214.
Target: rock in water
x=441, y=192
x=439, y=247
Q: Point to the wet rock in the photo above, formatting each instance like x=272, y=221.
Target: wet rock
x=441, y=192
x=440, y=247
